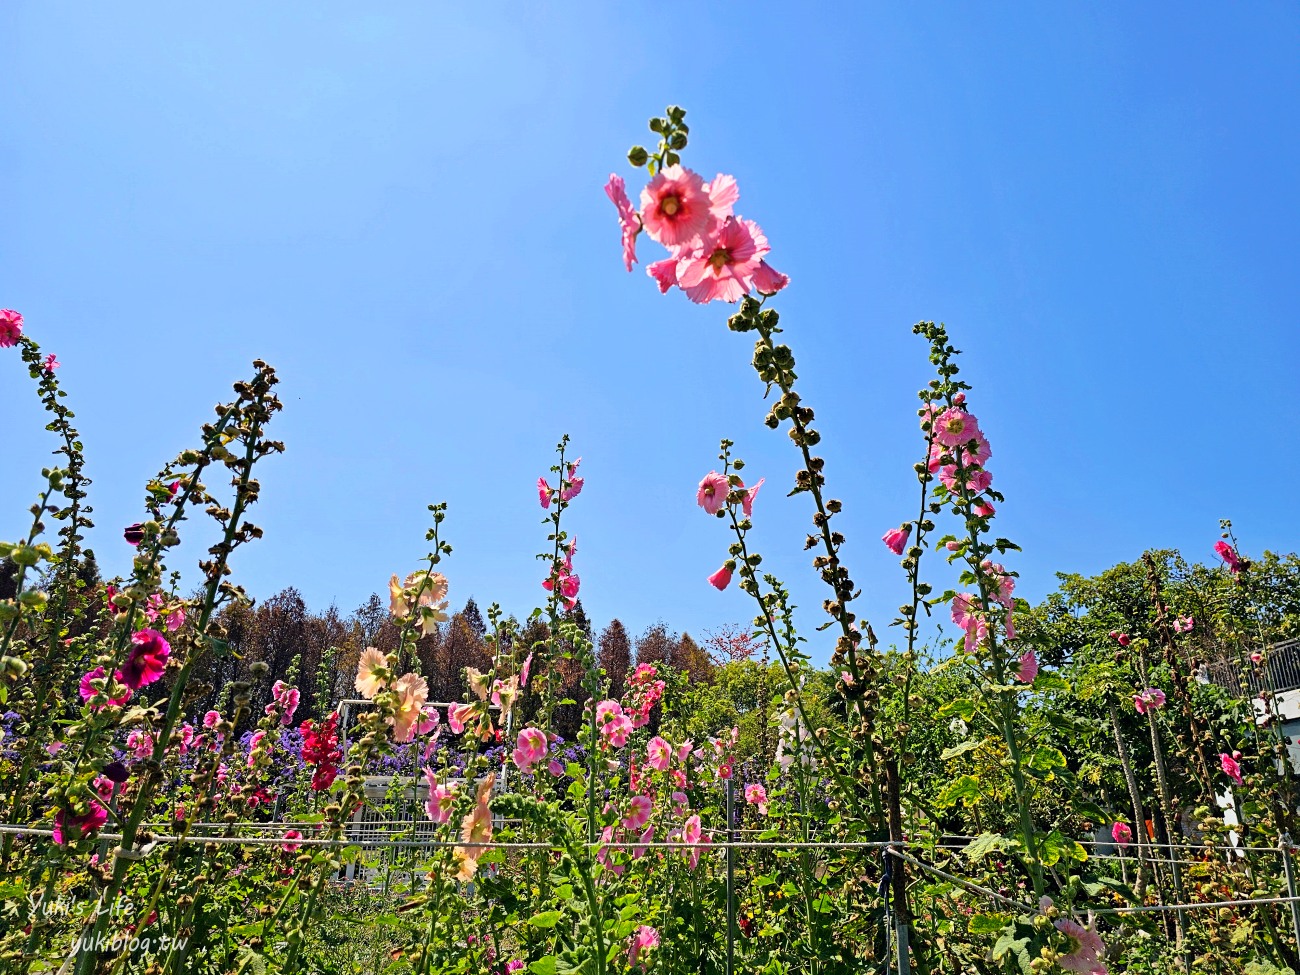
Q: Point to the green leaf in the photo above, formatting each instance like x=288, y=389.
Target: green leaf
x=966, y=746
x=543, y=966
x=964, y=789
x=987, y=923
x=546, y=919
x=1044, y=758
x=986, y=843
x=963, y=708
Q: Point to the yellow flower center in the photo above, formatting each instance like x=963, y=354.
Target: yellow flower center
x=719, y=258
x=670, y=205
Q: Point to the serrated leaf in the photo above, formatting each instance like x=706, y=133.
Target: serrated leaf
x=963, y=789
x=984, y=844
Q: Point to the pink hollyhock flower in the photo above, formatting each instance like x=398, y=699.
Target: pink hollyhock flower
x=1229, y=556
x=1121, y=833
x=607, y=710
x=985, y=510
x=289, y=846
x=723, y=194
x=51, y=363
x=664, y=272
x=747, y=502
x=543, y=492
x=675, y=207
x=555, y=767
x=411, y=691
x=441, y=798
x=680, y=803
x=88, y=690
x=1183, y=624
x=712, y=492
x=1086, y=948
x=963, y=609
x=284, y=699
x=1028, y=669
x=628, y=221
x=896, y=539
x=1151, y=699
x=1256, y=657
x=638, y=813
x=643, y=939
x=977, y=480
x=684, y=750
x=254, y=743
x=1123, y=639
x=476, y=828
x=721, y=579
x=372, y=671
x=1231, y=767
x=723, y=269
x=211, y=719
x=140, y=743
x=457, y=715
x=768, y=280
x=525, y=670
x=617, y=730
x=692, y=831
x=529, y=749
x=954, y=427
x=11, y=328
x=756, y=795
x=146, y=659
x=659, y=754
x=68, y=827
x=573, y=481
x=429, y=721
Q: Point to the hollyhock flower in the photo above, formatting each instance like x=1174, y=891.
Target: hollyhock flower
x=1229, y=555
x=664, y=272
x=638, y=813
x=320, y=748
x=524, y=670
x=134, y=534
x=573, y=481
x=1121, y=833
x=69, y=827
x=607, y=710
x=372, y=672
x=723, y=269
x=675, y=207
x=985, y=510
x=458, y=715
x=1231, y=767
x=88, y=690
x=977, y=480
x=768, y=280
x=629, y=222
x=954, y=427
x=411, y=691
x=1151, y=699
x=1028, y=669
x=140, y=743
x=51, y=363
x=211, y=719
x=441, y=799
x=685, y=749
x=680, y=803
x=723, y=194
x=1086, y=948
x=643, y=939
x=476, y=828
x=1256, y=657
x=1183, y=624
x=146, y=659
x=659, y=754
x=747, y=502
x=429, y=721
x=529, y=749
x=721, y=579
x=555, y=768
x=616, y=730
x=896, y=539
x=11, y=327
x=289, y=846
x=284, y=699
x=712, y=492
x=692, y=831
x=1123, y=639
x=963, y=609
x=756, y=795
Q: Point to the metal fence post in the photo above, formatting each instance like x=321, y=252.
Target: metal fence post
x=1289, y=868
x=731, y=877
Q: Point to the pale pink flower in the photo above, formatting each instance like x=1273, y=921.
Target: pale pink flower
x=954, y=427
x=723, y=194
x=684, y=749
x=692, y=831
x=289, y=846
x=1086, y=948
x=11, y=328
x=675, y=207
x=712, y=492
x=768, y=280
x=1229, y=555
x=664, y=272
x=88, y=690
x=441, y=798
x=1121, y=833
x=530, y=748
x=963, y=609
x=146, y=660
x=643, y=939
x=756, y=795
x=140, y=743
x=525, y=670
x=680, y=803
x=476, y=828
x=1028, y=669
x=372, y=672
x=1183, y=624
x=628, y=221
x=721, y=579
x=411, y=691
x=617, y=730
x=51, y=363
x=1151, y=699
x=458, y=715
x=659, y=754
x=723, y=269
x=1231, y=767
x=896, y=539
x=543, y=492
x=638, y=813
x=747, y=502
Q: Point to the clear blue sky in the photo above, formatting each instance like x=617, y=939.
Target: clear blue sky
x=401, y=209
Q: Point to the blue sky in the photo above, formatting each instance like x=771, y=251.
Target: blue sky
x=401, y=209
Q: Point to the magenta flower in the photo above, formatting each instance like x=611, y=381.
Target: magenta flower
x=290, y=837
x=555, y=767
x=896, y=539
x=1231, y=767
x=146, y=660
x=723, y=269
x=659, y=754
x=543, y=492
x=11, y=328
x=1121, y=833
x=1183, y=624
x=721, y=579
x=51, y=363
x=284, y=699
x=1229, y=556
x=134, y=534
x=712, y=492
x=573, y=481
x=628, y=221
x=530, y=748
x=88, y=689
x=617, y=730
x=1123, y=639
x=747, y=502
x=211, y=719
x=1028, y=668
x=675, y=207
x=69, y=827
x=1151, y=699
x=767, y=280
